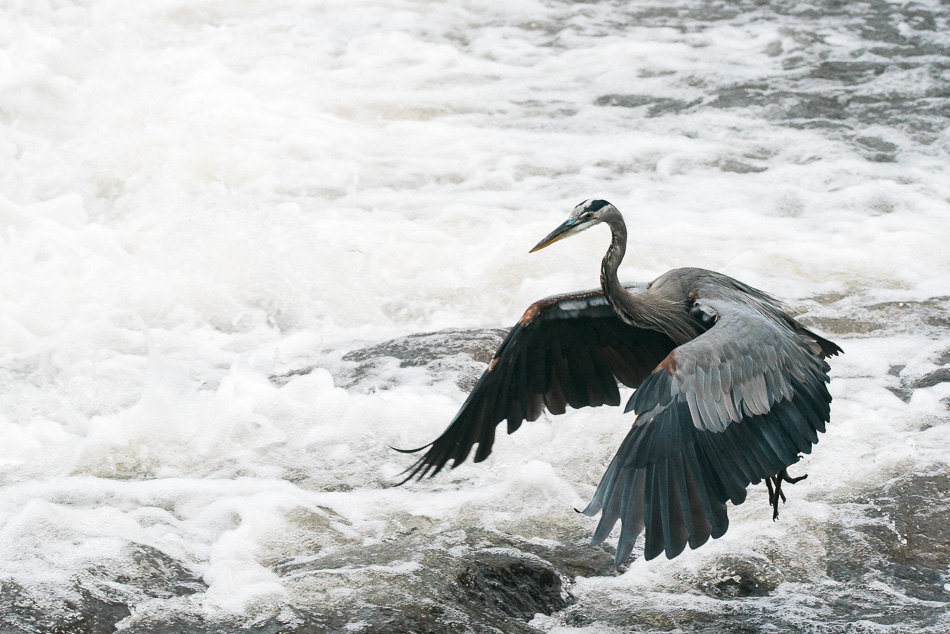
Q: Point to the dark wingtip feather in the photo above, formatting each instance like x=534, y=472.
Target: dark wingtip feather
x=829, y=348
x=629, y=407
x=417, y=470
x=428, y=464
x=416, y=450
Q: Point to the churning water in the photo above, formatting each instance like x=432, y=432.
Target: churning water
x=225, y=224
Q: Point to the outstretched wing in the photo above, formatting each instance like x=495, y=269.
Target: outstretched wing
x=566, y=350
x=725, y=410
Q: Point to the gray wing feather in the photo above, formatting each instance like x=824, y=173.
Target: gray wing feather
x=746, y=360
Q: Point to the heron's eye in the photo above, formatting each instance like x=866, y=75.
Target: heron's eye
x=588, y=215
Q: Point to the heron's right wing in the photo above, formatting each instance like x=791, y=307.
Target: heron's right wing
x=735, y=405
x=566, y=350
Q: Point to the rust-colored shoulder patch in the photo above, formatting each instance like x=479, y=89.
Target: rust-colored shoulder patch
x=668, y=364
x=693, y=296
x=533, y=311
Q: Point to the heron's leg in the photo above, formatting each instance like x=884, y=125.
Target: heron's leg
x=774, y=494
x=784, y=474
x=774, y=484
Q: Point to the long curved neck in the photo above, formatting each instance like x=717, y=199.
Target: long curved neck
x=644, y=309
x=613, y=289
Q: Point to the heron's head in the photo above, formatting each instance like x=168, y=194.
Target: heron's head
x=585, y=215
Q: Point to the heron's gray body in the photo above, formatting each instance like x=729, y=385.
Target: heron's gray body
x=730, y=390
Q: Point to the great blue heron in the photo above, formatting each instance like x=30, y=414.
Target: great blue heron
x=729, y=391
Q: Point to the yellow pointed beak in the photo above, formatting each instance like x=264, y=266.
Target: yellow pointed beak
x=568, y=228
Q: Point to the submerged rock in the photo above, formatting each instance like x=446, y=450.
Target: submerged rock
x=442, y=582
x=912, y=382
x=904, y=542
x=461, y=354
x=733, y=578
x=101, y=596
x=885, y=317
x=22, y=612
x=515, y=585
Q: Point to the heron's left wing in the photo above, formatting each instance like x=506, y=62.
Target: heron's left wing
x=566, y=350
x=725, y=410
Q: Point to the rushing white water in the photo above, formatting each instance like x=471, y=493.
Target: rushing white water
x=196, y=197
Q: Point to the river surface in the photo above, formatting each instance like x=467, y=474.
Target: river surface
x=229, y=228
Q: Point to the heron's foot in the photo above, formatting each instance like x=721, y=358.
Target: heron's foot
x=774, y=483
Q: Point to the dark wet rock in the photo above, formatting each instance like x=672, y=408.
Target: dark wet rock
x=576, y=559
x=468, y=580
x=733, y=578
x=905, y=390
x=517, y=586
x=931, y=379
x=102, y=595
x=288, y=620
x=496, y=583
x=462, y=353
x=848, y=72
x=903, y=544
x=877, y=144
x=931, y=315
x=21, y=612
x=99, y=615
x=901, y=392
x=895, y=370
x=571, y=555
x=920, y=508
x=738, y=167
x=161, y=574
x=943, y=358
x=878, y=150
x=410, y=619
x=422, y=349
x=653, y=106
